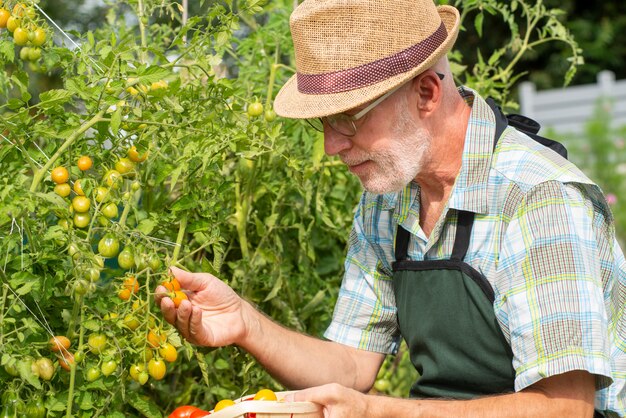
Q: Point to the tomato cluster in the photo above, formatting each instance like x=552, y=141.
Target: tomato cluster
x=26, y=29
x=189, y=411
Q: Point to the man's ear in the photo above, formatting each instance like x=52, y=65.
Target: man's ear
x=427, y=88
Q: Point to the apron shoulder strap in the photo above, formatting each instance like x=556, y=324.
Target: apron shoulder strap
x=402, y=243
x=461, y=240
x=464, y=225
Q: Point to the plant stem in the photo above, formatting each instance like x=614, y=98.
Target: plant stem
x=38, y=177
x=142, y=31
x=241, y=213
x=127, y=204
x=5, y=292
x=270, y=85
x=81, y=333
x=179, y=238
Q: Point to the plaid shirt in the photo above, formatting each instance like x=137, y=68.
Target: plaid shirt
x=543, y=237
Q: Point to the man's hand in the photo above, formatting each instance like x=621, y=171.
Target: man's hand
x=338, y=401
x=213, y=316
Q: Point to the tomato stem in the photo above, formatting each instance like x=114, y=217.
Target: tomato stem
x=39, y=175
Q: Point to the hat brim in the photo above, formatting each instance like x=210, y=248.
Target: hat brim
x=291, y=103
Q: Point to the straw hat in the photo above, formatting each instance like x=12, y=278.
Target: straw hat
x=348, y=52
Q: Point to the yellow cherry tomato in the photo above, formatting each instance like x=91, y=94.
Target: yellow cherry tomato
x=224, y=403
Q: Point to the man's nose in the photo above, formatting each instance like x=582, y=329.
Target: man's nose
x=334, y=142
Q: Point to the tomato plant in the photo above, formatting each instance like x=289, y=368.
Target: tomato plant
x=122, y=157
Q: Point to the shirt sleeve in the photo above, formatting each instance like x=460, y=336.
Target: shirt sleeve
x=365, y=312
x=550, y=285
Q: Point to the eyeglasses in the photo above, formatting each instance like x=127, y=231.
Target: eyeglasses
x=344, y=123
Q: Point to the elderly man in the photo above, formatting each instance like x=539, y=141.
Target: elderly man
x=492, y=256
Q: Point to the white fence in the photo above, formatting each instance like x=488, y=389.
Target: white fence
x=566, y=110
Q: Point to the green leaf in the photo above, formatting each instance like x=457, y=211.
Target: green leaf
x=221, y=364
x=152, y=74
x=278, y=285
x=478, y=23
x=184, y=203
x=92, y=325
x=26, y=373
x=116, y=120
x=7, y=50
x=204, y=368
x=146, y=226
x=144, y=405
x=52, y=98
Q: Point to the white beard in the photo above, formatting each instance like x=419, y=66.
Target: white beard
x=398, y=164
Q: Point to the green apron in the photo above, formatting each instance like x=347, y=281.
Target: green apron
x=445, y=315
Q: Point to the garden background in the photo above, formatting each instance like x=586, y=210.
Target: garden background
x=172, y=103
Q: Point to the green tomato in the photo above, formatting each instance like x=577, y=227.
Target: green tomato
x=135, y=370
x=97, y=343
x=255, y=109
x=45, y=368
x=143, y=378
x=81, y=287
x=79, y=356
x=40, y=37
x=126, y=259
x=35, y=409
x=382, y=385
x=154, y=262
x=124, y=166
x=270, y=115
x=81, y=220
x=93, y=373
x=113, y=178
x=110, y=210
x=102, y=194
x=108, y=367
x=81, y=204
x=108, y=246
x=11, y=368
x=92, y=274
x=34, y=54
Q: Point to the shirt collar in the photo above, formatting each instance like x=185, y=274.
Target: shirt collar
x=470, y=192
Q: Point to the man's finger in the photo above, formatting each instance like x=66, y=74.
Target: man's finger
x=159, y=293
x=196, y=330
x=190, y=281
x=183, y=312
x=168, y=309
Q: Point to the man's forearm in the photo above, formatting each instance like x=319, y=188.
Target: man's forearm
x=300, y=361
x=569, y=395
x=516, y=405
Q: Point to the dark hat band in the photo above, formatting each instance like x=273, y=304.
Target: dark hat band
x=373, y=72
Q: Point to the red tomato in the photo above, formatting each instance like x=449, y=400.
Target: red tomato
x=199, y=413
x=183, y=411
